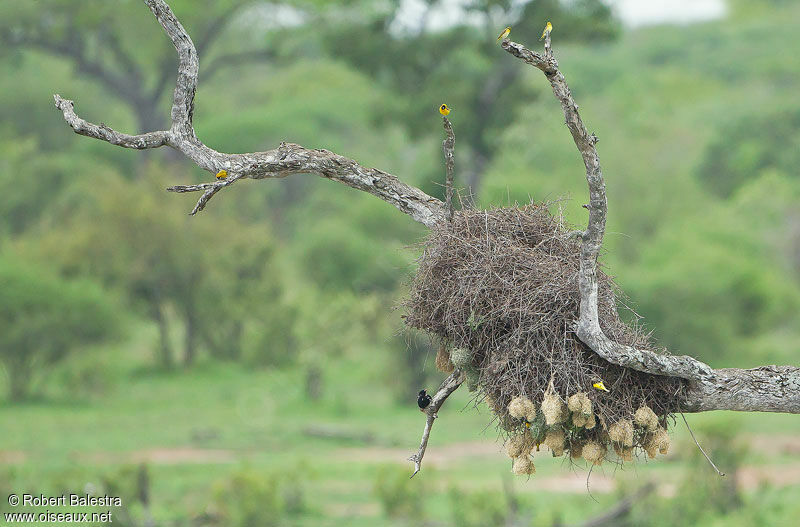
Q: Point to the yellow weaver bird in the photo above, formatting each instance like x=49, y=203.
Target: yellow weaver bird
x=444, y=110
x=547, y=29
x=504, y=34
x=600, y=386
x=222, y=174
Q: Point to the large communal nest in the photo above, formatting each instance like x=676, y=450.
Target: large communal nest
x=499, y=289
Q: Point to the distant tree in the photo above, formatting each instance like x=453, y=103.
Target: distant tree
x=112, y=44
x=749, y=147
x=459, y=65
x=184, y=270
x=43, y=319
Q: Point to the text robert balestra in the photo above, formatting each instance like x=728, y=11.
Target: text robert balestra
x=71, y=500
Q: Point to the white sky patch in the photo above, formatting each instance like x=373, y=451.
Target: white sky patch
x=633, y=13
x=650, y=12
x=448, y=13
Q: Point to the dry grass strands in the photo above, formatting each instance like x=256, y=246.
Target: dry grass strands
x=522, y=408
x=646, y=418
x=594, y=452
x=590, y=423
x=500, y=286
x=461, y=358
x=443, y=363
x=554, y=410
x=622, y=432
x=625, y=453
x=492, y=404
x=519, y=444
x=554, y=440
x=581, y=408
x=657, y=442
x=579, y=403
x=523, y=465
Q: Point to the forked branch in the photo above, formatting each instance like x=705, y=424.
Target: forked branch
x=588, y=327
x=286, y=160
x=770, y=388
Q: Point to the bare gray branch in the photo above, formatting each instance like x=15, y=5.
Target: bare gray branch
x=769, y=388
x=449, y=145
x=104, y=133
x=763, y=389
x=286, y=160
x=448, y=386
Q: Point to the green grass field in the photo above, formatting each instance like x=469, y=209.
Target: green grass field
x=197, y=429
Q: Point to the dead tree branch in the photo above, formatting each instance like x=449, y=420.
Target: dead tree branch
x=286, y=160
x=449, y=145
x=448, y=386
x=768, y=389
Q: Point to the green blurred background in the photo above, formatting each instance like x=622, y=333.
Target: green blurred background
x=249, y=366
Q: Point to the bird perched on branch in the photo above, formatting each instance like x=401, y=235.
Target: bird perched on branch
x=222, y=174
x=423, y=400
x=444, y=110
x=547, y=29
x=600, y=386
x=504, y=34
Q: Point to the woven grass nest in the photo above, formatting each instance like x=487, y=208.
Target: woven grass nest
x=499, y=290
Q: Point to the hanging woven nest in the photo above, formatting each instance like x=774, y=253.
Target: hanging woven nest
x=498, y=289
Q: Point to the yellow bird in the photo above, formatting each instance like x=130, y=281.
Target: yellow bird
x=547, y=29
x=444, y=110
x=600, y=386
x=222, y=174
x=504, y=34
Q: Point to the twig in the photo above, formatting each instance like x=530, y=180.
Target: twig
x=721, y=474
x=589, y=475
x=209, y=189
x=448, y=145
x=448, y=386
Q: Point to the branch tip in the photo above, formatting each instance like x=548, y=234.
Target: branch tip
x=448, y=386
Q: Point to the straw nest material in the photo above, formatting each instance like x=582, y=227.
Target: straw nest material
x=499, y=290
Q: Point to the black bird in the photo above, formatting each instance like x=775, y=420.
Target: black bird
x=423, y=400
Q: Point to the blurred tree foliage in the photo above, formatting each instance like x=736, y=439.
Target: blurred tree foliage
x=713, y=302
x=751, y=146
x=462, y=65
x=399, y=496
x=214, y=274
x=703, y=497
x=248, y=497
x=44, y=318
x=117, y=45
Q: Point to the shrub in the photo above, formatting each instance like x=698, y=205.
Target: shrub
x=43, y=319
x=399, y=496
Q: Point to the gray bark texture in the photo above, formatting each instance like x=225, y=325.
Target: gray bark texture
x=768, y=388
